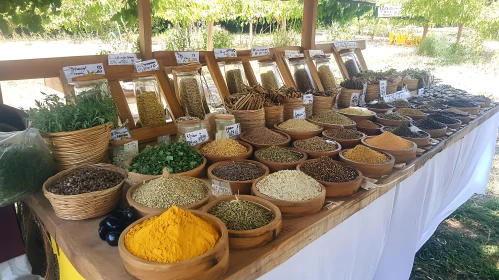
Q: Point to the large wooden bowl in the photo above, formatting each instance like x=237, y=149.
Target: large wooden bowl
x=359, y=118
x=454, y=125
x=380, y=111
x=299, y=135
x=197, y=172
x=237, y=187
x=294, y=208
x=370, y=170
x=346, y=143
x=386, y=122
x=278, y=166
x=210, y=265
x=471, y=110
x=313, y=154
x=247, y=239
x=285, y=143
x=400, y=156
x=213, y=159
x=464, y=120
x=338, y=189
x=436, y=133
x=421, y=142
x=334, y=126
x=369, y=131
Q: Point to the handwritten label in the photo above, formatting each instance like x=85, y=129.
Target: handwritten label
x=313, y=53
x=345, y=44
x=351, y=44
x=397, y=95
x=220, y=188
x=146, y=66
x=233, y=130
x=223, y=53
x=340, y=44
x=197, y=137
x=131, y=148
x=164, y=139
x=362, y=98
x=82, y=70
x=300, y=113
x=120, y=134
x=354, y=99
x=308, y=99
x=261, y=51
x=382, y=88
x=292, y=54
x=122, y=59
x=187, y=57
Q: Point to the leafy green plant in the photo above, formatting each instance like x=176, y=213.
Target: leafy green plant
x=283, y=38
x=222, y=38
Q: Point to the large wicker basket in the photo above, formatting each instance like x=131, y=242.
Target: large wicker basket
x=86, y=205
x=345, y=97
x=249, y=119
x=323, y=103
x=273, y=115
x=372, y=91
x=412, y=84
x=290, y=105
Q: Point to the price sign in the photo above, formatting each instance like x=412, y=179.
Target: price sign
x=132, y=148
x=120, y=134
x=197, y=137
x=397, y=95
x=220, y=188
x=223, y=53
x=331, y=142
x=382, y=88
x=362, y=98
x=82, y=70
x=351, y=44
x=164, y=139
x=308, y=98
x=313, y=53
x=340, y=44
x=291, y=54
x=261, y=51
x=233, y=130
x=122, y=59
x=146, y=66
x=187, y=57
x=300, y=113
x=354, y=99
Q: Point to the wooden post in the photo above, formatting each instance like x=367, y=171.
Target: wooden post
x=309, y=23
x=145, y=29
x=459, y=32
x=250, y=34
x=209, y=41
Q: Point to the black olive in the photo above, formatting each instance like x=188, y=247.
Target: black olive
x=112, y=238
x=113, y=224
x=103, y=232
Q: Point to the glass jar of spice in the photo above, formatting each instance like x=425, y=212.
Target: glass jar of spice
x=351, y=63
x=187, y=126
x=270, y=77
x=301, y=74
x=235, y=77
x=191, y=91
x=151, y=107
x=223, y=120
x=325, y=71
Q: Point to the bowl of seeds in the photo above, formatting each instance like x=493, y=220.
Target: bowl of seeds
x=380, y=107
x=414, y=114
x=225, y=149
x=299, y=129
x=251, y=221
x=426, y=108
x=401, y=149
x=263, y=137
x=369, y=127
x=330, y=119
x=450, y=122
x=464, y=117
x=372, y=163
x=392, y=119
x=316, y=147
x=357, y=114
x=347, y=138
x=400, y=103
x=338, y=178
x=280, y=158
x=239, y=173
x=411, y=133
x=295, y=193
x=464, y=105
x=434, y=128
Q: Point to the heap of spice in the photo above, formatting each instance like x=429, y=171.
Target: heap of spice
x=401, y=103
x=269, y=81
x=298, y=125
x=289, y=185
x=328, y=170
x=367, y=124
x=235, y=82
x=343, y=134
x=426, y=107
x=356, y=111
x=367, y=155
x=174, y=236
x=316, y=144
x=265, y=136
x=457, y=112
x=151, y=112
x=279, y=154
x=461, y=103
x=389, y=141
x=429, y=123
x=241, y=214
x=380, y=105
x=410, y=112
x=238, y=171
x=224, y=148
x=326, y=77
x=85, y=180
x=392, y=116
x=330, y=117
x=403, y=130
x=443, y=118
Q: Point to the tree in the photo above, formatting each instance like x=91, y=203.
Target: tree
x=425, y=12
x=463, y=12
x=330, y=11
x=25, y=14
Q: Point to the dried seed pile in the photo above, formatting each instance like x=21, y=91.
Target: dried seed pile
x=242, y=214
x=443, y=118
x=289, y=185
x=403, y=130
x=410, y=112
x=224, y=148
x=392, y=116
x=326, y=77
x=298, y=125
x=343, y=134
x=238, y=171
x=367, y=124
x=269, y=81
x=190, y=97
x=328, y=170
x=279, y=154
x=85, y=180
x=330, y=117
x=302, y=80
x=426, y=107
x=429, y=123
x=151, y=111
x=234, y=81
x=356, y=111
x=316, y=144
x=390, y=141
x=265, y=136
x=379, y=106
x=457, y=112
x=166, y=192
x=400, y=103
x=367, y=155
x=353, y=83
x=461, y=103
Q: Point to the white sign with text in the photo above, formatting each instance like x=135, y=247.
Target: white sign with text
x=224, y=53
x=120, y=134
x=261, y=51
x=300, y=113
x=187, y=57
x=292, y=54
x=71, y=72
x=197, y=137
x=122, y=59
x=233, y=130
x=308, y=98
x=146, y=66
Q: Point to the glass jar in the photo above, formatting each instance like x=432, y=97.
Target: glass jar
x=301, y=74
x=235, y=77
x=325, y=72
x=223, y=120
x=151, y=107
x=270, y=77
x=191, y=92
x=351, y=63
x=184, y=127
x=82, y=86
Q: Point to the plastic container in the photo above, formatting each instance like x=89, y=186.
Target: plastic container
x=270, y=77
x=351, y=63
x=235, y=77
x=81, y=86
x=223, y=120
x=184, y=127
x=325, y=71
x=301, y=74
x=191, y=92
x=151, y=107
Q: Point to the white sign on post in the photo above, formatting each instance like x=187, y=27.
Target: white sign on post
x=354, y=99
x=146, y=66
x=122, y=59
x=313, y=53
x=308, y=98
x=197, y=137
x=131, y=148
x=421, y=91
x=233, y=130
x=414, y=128
x=340, y=44
x=292, y=54
x=187, y=57
x=224, y=53
x=300, y=113
x=351, y=44
x=71, y=72
x=390, y=11
x=382, y=88
x=120, y=134
x=261, y=51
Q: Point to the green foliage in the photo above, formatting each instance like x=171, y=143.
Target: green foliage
x=330, y=11
x=282, y=38
x=25, y=14
x=222, y=38
x=447, y=52
x=185, y=38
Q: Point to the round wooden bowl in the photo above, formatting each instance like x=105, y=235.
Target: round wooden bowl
x=294, y=208
x=213, y=159
x=436, y=133
x=471, y=110
x=248, y=239
x=464, y=120
x=197, y=172
x=312, y=154
x=454, y=125
x=299, y=135
x=210, y=265
x=143, y=210
x=278, y=166
x=414, y=117
x=400, y=156
x=346, y=143
x=338, y=189
x=370, y=170
x=381, y=111
x=421, y=142
x=237, y=187
x=285, y=143
x=334, y=126
x=359, y=118
x=369, y=131
x=386, y=122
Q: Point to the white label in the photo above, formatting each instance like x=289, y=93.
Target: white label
x=331, y=142
x=354, y=99
x=308, y=98
x=340, y=45
x=390, y=11
x=292, y=54
x=122, y=59
x=132, y=148
x=164, y=139
x=223, y=53
x=421, y=91
x=233, y=130
x=260, y=51
x=220, y=188
x=146, y=66
x=120, y=134
x=414, y=128
x=197, y=137
x=382, y=88
x=345, y=44
x=187, y=57
x=313, y=53
x=396, y=96
x=362, y=97
x=82, y=70
x=351, y=44
x=300, y=113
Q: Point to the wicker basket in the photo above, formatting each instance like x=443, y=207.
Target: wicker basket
x=412, y=84
x=372, y=91
x=345, y=97
x=81, y=147
x=85, y=205
x=273, y=115
x=323, y=103
x=391, y=88
x=249, y=119
x=290, y=105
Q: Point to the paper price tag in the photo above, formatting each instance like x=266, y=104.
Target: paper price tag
x=120, y=134
x=351, y=44
x=340, y=44
x=362, y=98
x=187, y=57
x=223, y=53
x=331, y=142
x=313, y=53
x=300, y=113
x=308, y=98
x=233, y=130
x=220, y=188
x=132, y=148
x=382, y=88
x=291, y=54
x=261, y=51
x=397, y=95
x=354, y=99
x=414, y=128
x=197, y=137
x=146, y=66
x=82, y=70
x=122, y=59
x=164, y=139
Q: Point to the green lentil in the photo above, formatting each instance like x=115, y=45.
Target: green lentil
x=328, y=170
x=316, y=144
x=242, y=214
x=343, y=134
x=289, y=185
x=279, y=154
x=330, y=117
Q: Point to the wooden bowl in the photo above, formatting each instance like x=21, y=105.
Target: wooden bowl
x=237, y=187
x=471, y=110
x=436, y=133
x=210, y=265
x=464, y=120
x=381, y=111
x=359, y=118
x=299, y=135
x=369, y=131
x=338, y=189
x=346, y=143
x=454, y=125
x=143, y=210
x=311, y=154
x=248, y=239
x=278, y=166
x=213, y=159
x=400, y=156
x=294, y=208
x=420, y=142
x=414, y=117
x=285, y=143
x=371, y=170
x=386, y=122
x=197, y=172
x=334, y=126
x=428, y=111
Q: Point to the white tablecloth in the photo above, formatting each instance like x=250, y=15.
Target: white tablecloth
x=380, y=241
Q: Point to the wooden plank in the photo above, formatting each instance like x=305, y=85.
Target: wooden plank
x=1, y=96
x=362, y=61
x=121, y=103
x=250, y=74
x=168, y=94
x=54, y=83
x=146, y=134
x=287, y=77
x=216, y=75
x=209, y=41
x=340, y=63
x=313, y=72
x=145, y=28
x=309, y=23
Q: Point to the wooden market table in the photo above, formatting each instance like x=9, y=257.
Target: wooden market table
x=95, y=259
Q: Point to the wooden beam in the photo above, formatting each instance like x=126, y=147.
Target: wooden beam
x=145, y=28
x=211, y=29
x=313, y=72
x=308, y=24
x=216, y=75
x=250, y=74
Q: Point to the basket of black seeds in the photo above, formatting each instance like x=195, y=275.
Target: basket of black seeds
x=411, y=133
x=85, y=192
x=380, y=107
x=464, y=105
x=240, y=174
x=448, y=121
x=279, y=158
x=434, y=128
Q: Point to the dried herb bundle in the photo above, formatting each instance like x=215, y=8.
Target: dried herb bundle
x=353, y=83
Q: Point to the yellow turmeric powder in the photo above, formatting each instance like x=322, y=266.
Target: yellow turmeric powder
x=174, y=236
